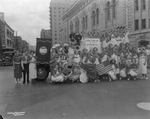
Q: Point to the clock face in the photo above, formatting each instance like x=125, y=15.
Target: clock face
x=43, y=50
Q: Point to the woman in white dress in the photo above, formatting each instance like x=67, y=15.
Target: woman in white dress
x=143, y=63
x=32, y=67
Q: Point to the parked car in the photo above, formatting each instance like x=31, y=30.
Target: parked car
x=7, y=58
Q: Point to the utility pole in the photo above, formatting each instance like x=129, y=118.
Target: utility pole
x=16, y=42
x=0, y=46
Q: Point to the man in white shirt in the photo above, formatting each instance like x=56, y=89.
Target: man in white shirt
x=25, y=66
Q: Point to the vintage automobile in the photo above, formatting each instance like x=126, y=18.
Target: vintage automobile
x=7, y=57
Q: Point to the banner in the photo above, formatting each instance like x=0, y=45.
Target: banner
x=90, y=43
x=43, y=47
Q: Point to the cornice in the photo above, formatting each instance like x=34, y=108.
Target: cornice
x=76, y=8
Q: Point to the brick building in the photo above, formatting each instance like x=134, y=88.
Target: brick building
x=6, y=33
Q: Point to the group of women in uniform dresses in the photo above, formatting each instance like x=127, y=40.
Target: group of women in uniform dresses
x=128, y=63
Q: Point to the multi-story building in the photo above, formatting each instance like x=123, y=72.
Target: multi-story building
x=45, y=34
x=20, y=45
x=57, y=10
x=25, y=45
x=104, y=15
x=9, y=36
x=141, y=21
x=6, y=33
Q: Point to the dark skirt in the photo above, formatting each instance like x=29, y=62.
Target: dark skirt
x=18, y=71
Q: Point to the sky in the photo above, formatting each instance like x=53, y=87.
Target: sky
x=27, y=17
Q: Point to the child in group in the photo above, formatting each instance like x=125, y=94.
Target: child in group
x=133, y=70
x=57, y=75
x=66, y=72
x=122, y=66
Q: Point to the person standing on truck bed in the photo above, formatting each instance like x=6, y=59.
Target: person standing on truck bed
x=25, y=66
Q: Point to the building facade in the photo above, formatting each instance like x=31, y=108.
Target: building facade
x=103, y=15
x=9, y=36
x=57, y=10
x=141, y=20
x=6, y=33
x=45, y=34
x=20, y=45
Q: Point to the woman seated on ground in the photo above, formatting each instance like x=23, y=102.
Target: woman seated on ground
x=57, y=75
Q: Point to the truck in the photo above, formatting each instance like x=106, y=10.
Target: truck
x=43, y=57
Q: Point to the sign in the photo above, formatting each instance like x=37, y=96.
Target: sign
x=43, y=50
x=16, y=113
x=90, y=43
x=144, y=105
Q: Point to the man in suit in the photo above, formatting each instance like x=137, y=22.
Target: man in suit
x=25, y=66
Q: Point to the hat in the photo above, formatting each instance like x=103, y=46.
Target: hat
x=112, y=36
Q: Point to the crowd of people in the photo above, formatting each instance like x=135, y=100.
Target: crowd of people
x=115, y=62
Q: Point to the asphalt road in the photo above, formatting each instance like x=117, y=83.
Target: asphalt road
x=105, y=100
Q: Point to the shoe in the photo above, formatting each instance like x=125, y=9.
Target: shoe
x=146, y=78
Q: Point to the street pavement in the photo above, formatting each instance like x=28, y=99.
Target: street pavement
x=105, y=100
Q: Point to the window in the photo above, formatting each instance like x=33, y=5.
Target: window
x=143, y=4
x=86, y=21
x=136, y=5
x=77, y=26
x=97, y=16
x=108, y=10
x=114, y=9
x=136, y=25
x=83, y=23
x=93, y=15
x=143, y=24
x=71, y=27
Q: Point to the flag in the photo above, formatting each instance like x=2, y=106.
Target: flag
x=104, y=67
